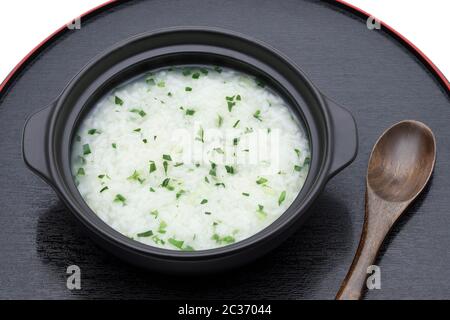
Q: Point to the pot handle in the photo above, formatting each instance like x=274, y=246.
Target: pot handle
x=344, y=137
x=34, y=142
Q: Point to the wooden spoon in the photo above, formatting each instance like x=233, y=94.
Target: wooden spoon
x=400, y=166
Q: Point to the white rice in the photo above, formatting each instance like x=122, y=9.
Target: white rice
x=199, y=204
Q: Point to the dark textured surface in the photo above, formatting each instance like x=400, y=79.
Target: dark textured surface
x=366, y=71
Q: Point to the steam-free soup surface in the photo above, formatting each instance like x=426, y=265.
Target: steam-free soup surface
x=190, y=158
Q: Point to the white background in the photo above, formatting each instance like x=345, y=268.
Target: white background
x=25, y=23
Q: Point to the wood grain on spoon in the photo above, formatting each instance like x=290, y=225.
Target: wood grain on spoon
x=400, y=166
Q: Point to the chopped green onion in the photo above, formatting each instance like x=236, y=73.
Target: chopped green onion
x=167, y=157
x=261, y=212
x=219, y=121
x=114, y=145
x=201, y=135
x=204, y=201
x=235, y=141
x=86, y=149
x=136, y=176
x=230, y=105
x=165, y=184
x=229, y=169
x=206, y=180
x=188, y=89
x=150, y=81
x=178, y=164
x=236, y=123
x=139, y=112
x=213, y=172
x=152, y=167
x=176, y=243
x=260, y=83
x=104, y=189
x=118, y=101
x=297, y=152
x=186, y=72
x=92, y=131
x=80, y=172
x=162, y=227
x=196, y=75
x=307, y=161
x=221, y=240
x=190, y=112
x=246, y=194
x=261, y=180
x=238, y=97
x=151, y=189
x=207, y=213
x=161, y=84
x=120, y=198
x=155, y=213
x=165, y=165
x=144, y=140
x=145, y=234
x=297, y=168
x=180, y=193
x=137, y=130
x=101, y=176
x=204, y=70
x=257, y=115
x=220, y=184
x=282, y=198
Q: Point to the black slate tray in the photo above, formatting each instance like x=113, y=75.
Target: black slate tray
x=374, y=73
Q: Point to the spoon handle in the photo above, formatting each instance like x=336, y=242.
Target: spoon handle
x=379, y=218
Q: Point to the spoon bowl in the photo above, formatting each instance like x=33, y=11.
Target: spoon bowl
x=402, y=161
x=400, y=166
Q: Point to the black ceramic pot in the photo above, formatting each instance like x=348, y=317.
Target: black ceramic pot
x=48, y=136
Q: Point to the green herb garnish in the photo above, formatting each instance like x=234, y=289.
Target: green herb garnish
x=204, y=201
x=161, y=84
x=188, y=89
x=180, y=193
x=282, y=198
x=261, y=212
x=86, y=149
x=178, y=164
x=220, y=184
x=104, y=189
x=222, y=240
x=92, y=131
x=213, y=172
x=114, y=145
x=145, y=234
x=136, y=177
x=196, y=75
x=165, y=165
x=190, y=112
x=139, y=112
x=257, y=115
x=137, y=130
x=162, y=227
x=236, y=123
x=261, y=180
x=155, y=213
x=176, y=243
x=80, y=172
x=219, y=121
x=120, y=198
x=235, y=141
x=201, y=135
x=118, y=101
x=167, y=157
x=297, y=168
x=229, y=169
x=246, y=194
